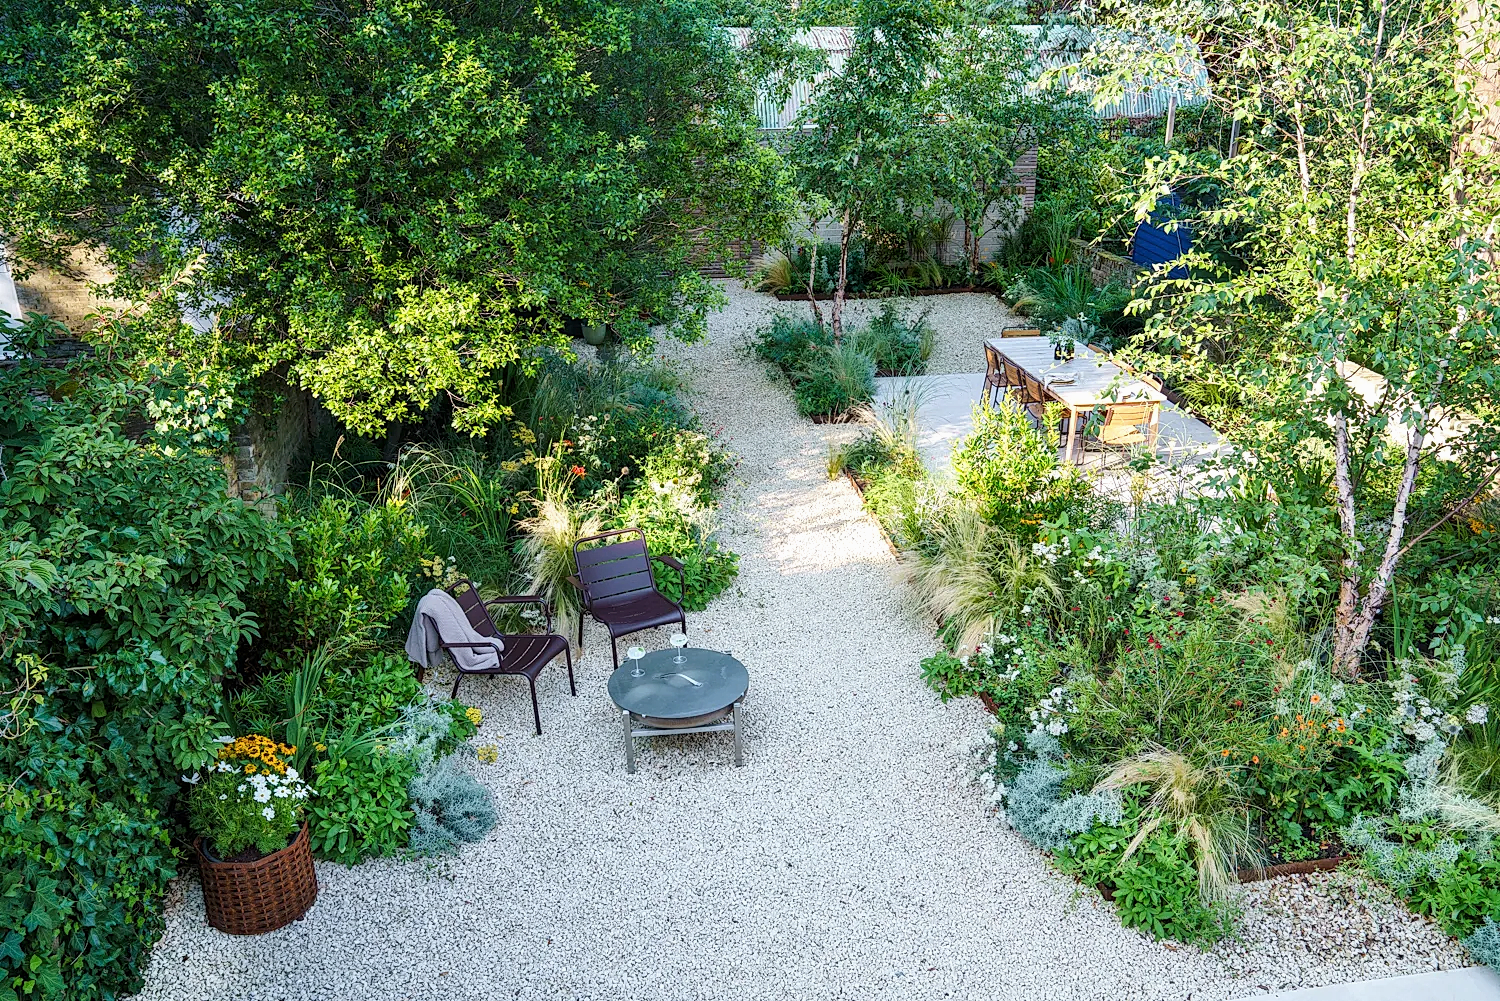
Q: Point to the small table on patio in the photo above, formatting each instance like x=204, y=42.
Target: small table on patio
x=671, y=698
x=1096, y=381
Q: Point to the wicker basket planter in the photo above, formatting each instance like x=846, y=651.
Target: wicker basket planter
x=251, y=898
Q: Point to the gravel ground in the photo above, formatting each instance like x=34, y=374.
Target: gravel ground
x=845, y=860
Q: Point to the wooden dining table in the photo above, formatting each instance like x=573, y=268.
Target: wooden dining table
x=1086, y=382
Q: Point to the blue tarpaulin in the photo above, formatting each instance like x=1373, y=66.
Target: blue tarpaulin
x=1155, y=245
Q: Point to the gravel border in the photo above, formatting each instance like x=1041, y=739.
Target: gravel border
x=845, y=860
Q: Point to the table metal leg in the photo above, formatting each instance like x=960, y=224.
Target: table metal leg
x=1155, y=427
x=739, y=748
x=629, y=745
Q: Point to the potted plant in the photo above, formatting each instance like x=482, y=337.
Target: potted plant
x=594, y=333
x=254, y=854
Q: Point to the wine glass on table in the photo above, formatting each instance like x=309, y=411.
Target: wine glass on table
x=679, y=640
x=635, y=654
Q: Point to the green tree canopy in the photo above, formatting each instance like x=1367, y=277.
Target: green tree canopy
x=395, y=199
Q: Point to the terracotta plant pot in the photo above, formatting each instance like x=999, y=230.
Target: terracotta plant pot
x=252, y=898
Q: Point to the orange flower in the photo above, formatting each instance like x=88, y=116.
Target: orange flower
x=1316, y=698
x=1224, y=753
x=1255, y=759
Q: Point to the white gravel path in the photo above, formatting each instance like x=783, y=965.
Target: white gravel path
x=845, y=860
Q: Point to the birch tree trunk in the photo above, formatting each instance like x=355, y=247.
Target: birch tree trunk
x=837, y=313
x=812, y=271
x=1350, y=637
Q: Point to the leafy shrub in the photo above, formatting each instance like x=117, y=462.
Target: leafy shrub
x=687, y=461
x=896, y=346
x=676, y=526
x=449, y=807
x=355, y=568
x=362, y=809
x=373, y=694
x=788, y=343
x=1155, y=889
x=122, y=583
x=1011, y=472
x=82, y=884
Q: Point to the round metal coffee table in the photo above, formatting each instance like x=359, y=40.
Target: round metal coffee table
x=669, y=698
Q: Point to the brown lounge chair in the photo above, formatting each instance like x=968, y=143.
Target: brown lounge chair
x=525, y=654
x=619, y=589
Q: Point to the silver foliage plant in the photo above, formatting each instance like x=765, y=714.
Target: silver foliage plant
x=449, y=806
x=1032, y=803
x=1425, y=796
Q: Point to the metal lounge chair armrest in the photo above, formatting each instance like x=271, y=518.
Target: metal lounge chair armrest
x=517, y=599
x=676, y=564
x=525, y=599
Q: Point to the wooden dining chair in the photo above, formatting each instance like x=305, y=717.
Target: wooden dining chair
x=999, y=377
x=1123, y=423
x=1032, y=394
x=1020, y=332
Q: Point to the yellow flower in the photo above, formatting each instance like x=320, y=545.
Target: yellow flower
x=249, y=769
x=488, y=753
x=475, y=716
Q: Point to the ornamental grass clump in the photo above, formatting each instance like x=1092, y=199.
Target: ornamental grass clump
x=975, y=578
x=249, y=798
x=1198, y=805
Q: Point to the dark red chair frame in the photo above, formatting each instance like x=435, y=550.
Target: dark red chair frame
x=618, y=588
x=524, y=654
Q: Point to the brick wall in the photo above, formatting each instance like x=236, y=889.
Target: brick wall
x=1103, y=265
x=67, y=296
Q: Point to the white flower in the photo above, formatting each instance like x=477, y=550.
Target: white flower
x=269, y=813
x=291, y=774
x=242, y=787
x=263, y=795
x=191, y=780
x=1025, y=609
x=1424, y=731
x=282, y=792
x=1056, y=726
x=1478, y=714
x=223, y=796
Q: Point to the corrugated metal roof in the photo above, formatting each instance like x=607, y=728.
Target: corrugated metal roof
x=1057, y=46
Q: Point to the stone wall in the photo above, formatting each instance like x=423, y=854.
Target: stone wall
x=269, y=441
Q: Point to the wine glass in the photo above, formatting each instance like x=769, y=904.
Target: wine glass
x=679, y=640
x=635, y=654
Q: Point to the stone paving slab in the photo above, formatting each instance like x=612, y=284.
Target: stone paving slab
x=1474, y=983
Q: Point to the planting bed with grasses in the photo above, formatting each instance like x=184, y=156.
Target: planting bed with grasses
x=1165, y=715
x=830, y=380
